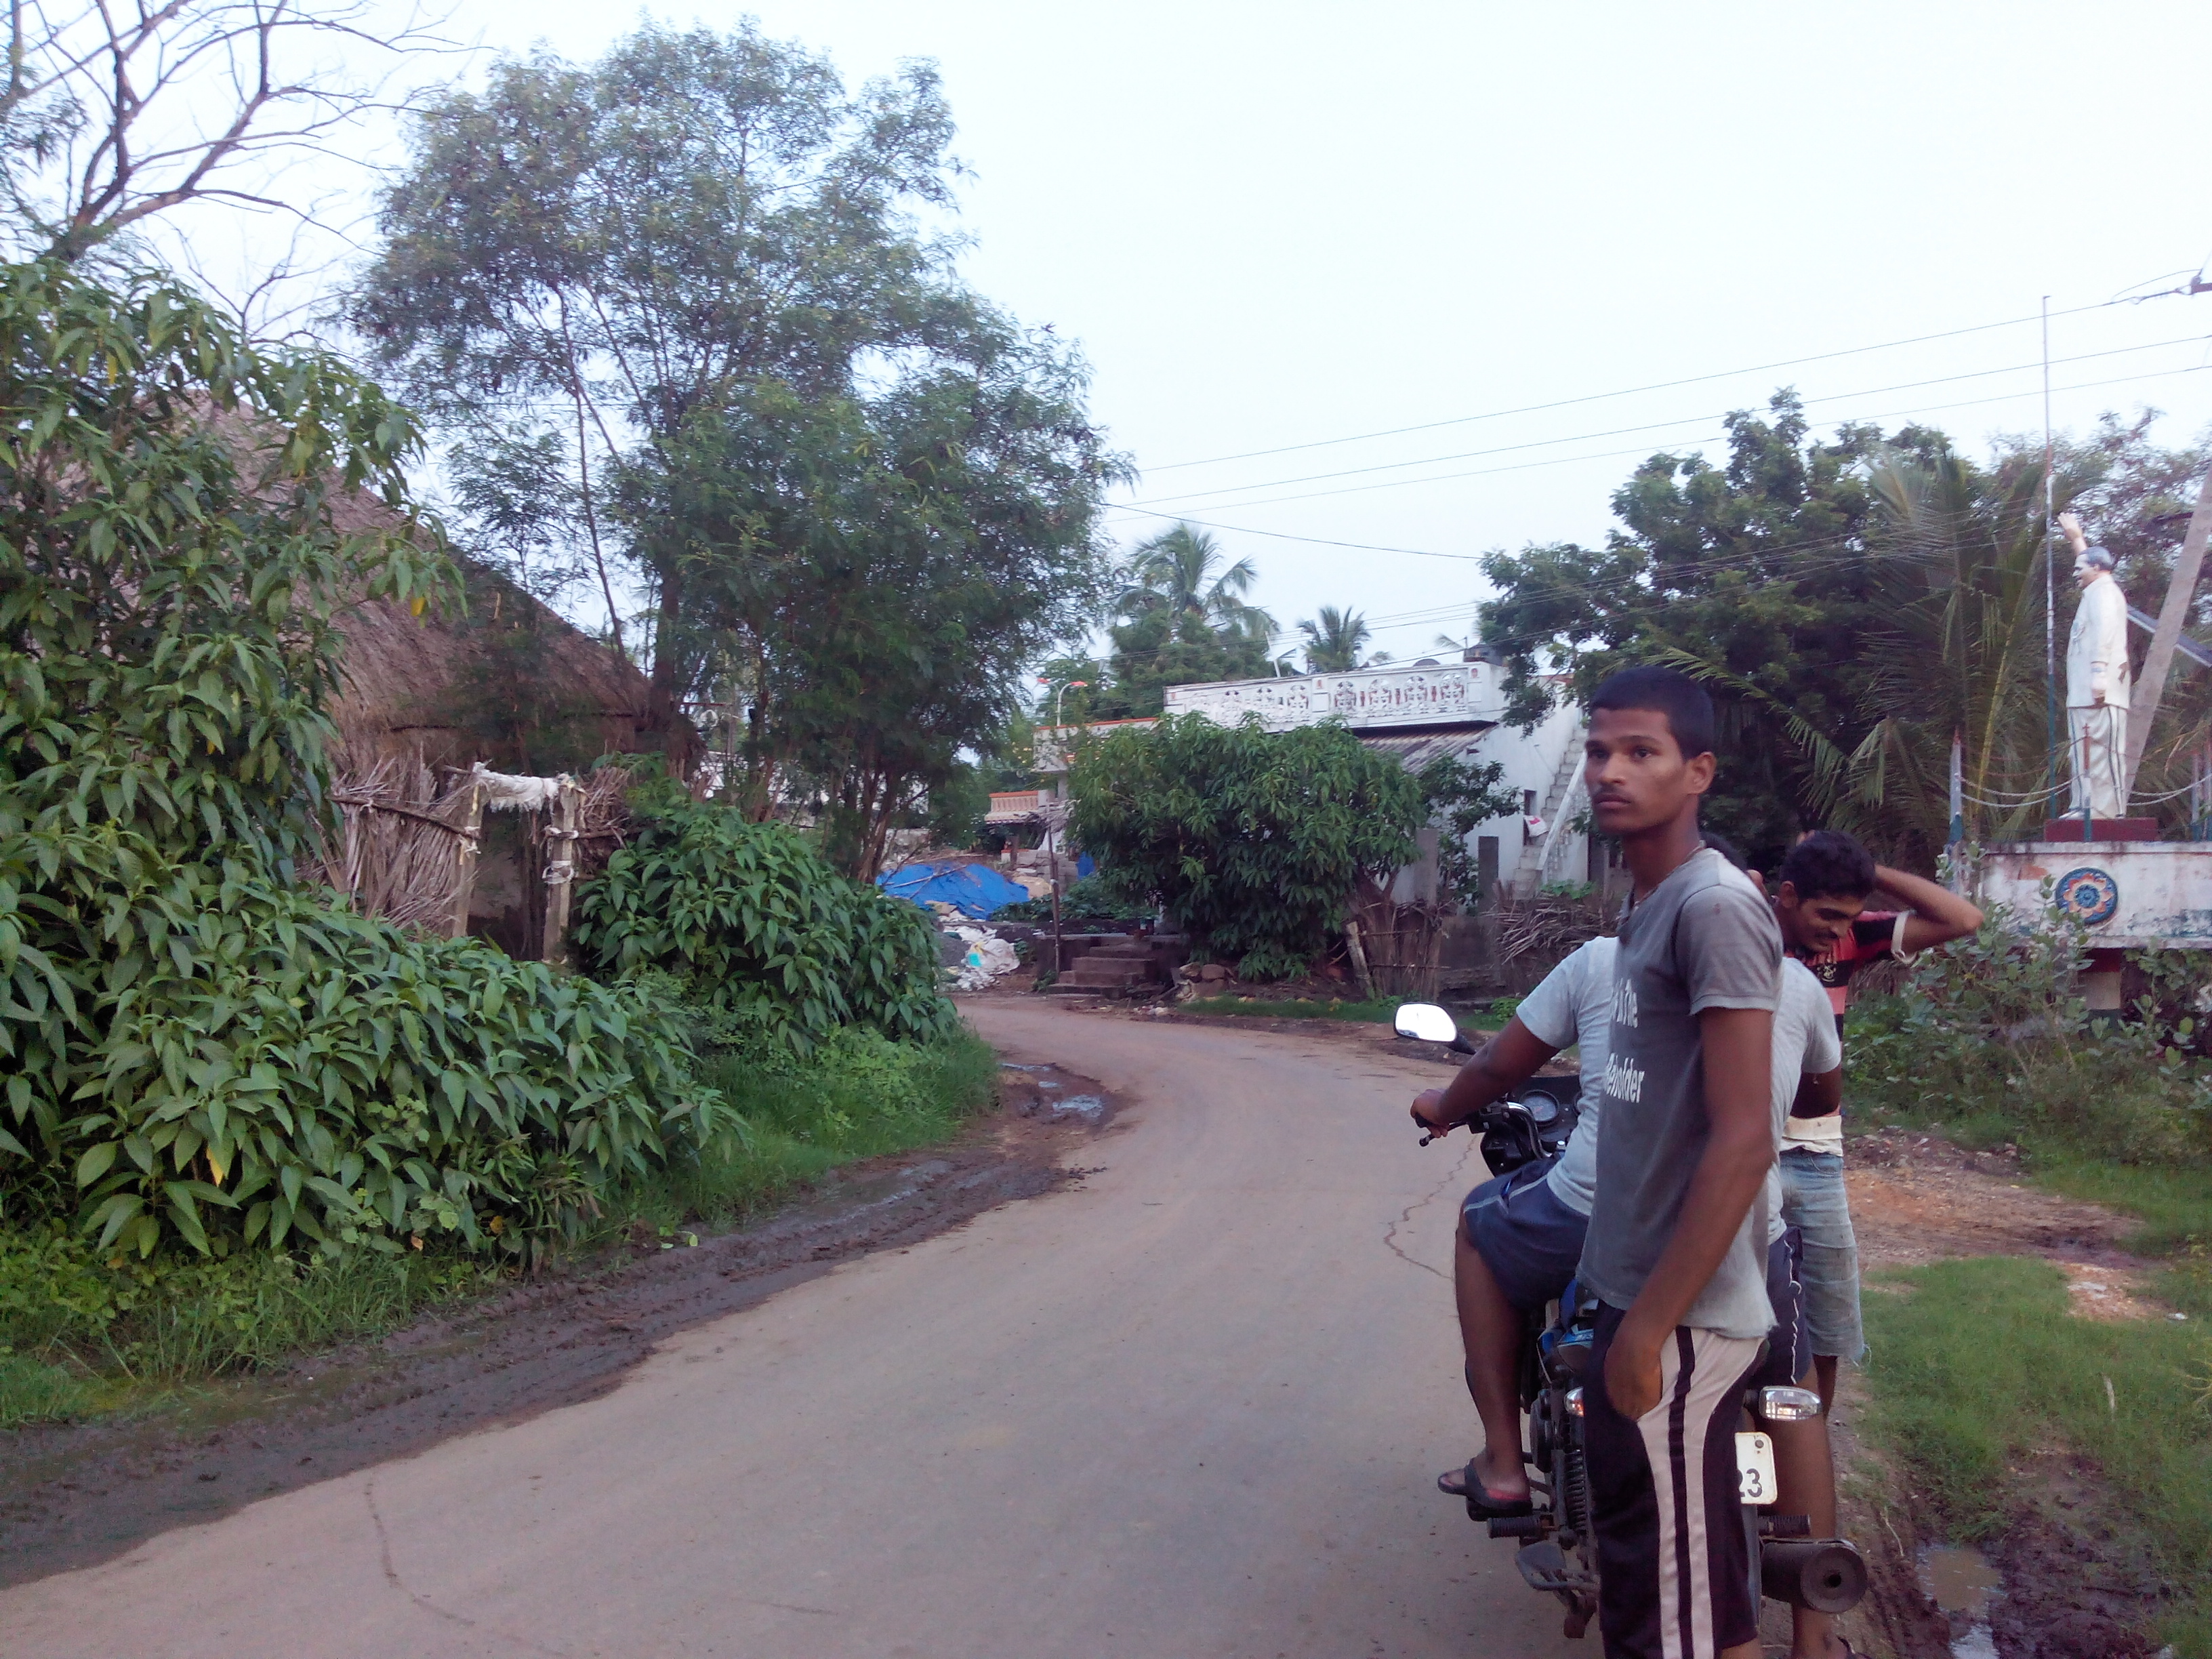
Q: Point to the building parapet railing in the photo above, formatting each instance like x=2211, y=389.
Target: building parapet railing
x=1373, y=698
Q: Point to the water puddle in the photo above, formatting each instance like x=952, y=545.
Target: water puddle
x=1041, y=1092
x=1960, y=1580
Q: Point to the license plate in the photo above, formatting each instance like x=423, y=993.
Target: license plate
x=1754, y=1469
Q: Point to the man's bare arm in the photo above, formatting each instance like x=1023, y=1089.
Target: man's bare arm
x=1510, y=1058
x=1819, y=1094
x=1738, y=1044
x=1938, y=914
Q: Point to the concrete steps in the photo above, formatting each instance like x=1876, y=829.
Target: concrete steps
x=1115, y=968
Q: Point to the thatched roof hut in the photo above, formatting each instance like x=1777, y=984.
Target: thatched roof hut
x=510, y=683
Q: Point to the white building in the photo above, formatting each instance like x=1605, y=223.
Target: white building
x=1417, y=712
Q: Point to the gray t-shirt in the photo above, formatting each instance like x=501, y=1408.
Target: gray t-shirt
x=1703, y=939
x=1573, y=1007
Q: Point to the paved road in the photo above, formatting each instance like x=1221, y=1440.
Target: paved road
x=1192, y=1408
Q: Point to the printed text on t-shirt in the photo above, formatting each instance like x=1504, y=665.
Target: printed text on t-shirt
x=1624, y=1080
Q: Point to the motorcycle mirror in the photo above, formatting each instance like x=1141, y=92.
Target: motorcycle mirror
x=1426, y=1022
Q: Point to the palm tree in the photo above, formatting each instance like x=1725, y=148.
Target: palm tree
x=1333, y=643
x=1957, y=553
x=1177, y=571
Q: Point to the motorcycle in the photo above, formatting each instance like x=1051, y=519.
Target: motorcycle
x=1558, y=1553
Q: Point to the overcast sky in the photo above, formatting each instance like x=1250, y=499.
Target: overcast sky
x=1277, y=225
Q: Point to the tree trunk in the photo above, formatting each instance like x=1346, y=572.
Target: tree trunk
x=665, y=721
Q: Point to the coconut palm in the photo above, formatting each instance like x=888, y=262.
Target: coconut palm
x=1180, y=571
x=1333, y=642
x=1957, y=556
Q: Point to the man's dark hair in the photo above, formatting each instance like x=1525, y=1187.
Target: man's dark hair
x=1829, y=864
x=1687, y=705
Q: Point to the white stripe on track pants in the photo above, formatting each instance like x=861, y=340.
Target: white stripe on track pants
x=1673, y=1569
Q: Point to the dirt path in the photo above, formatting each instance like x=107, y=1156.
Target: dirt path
x=81, y=1494
x=1189, y=1405
x=1917, y=1198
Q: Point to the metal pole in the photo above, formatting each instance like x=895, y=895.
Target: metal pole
x=2050, y=574
x=1052, y=868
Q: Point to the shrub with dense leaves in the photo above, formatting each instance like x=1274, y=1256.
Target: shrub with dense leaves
x=1250, y=840
x=765, y=933
x=194, y=1045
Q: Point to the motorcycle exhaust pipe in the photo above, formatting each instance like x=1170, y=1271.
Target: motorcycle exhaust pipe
x=1823, y=1575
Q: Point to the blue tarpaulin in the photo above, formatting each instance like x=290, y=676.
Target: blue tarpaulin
x=976, y=889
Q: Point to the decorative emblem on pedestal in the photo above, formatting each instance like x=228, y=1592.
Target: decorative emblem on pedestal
x=2087, y=895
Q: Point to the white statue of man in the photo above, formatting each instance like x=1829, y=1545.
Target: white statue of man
x=2096, y=680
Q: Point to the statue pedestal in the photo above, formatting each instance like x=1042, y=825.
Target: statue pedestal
x=2100, y=830
x=2128, y=895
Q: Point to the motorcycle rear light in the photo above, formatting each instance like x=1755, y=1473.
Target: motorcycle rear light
x=1788, y=1405
x=1574, y=1402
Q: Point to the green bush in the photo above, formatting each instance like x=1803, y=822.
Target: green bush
x=196, y=1048
x=1991, y=1037
x=779, y=947
x=1251, y=841
x=1088, y=899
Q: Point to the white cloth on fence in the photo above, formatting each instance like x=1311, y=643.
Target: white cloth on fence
x=504, y=791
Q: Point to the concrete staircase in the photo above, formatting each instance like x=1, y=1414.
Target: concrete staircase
x=1528, y=873
x=1116, y=969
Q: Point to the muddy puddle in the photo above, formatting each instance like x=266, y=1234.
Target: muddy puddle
x=72, y=1494
x=1960, y=1580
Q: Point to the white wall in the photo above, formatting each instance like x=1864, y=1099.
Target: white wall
x=1531, y=760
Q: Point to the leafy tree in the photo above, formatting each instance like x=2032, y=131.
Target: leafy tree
x=1753, y=574
x=871, y=576
x=1333, y=643
x=1249, y=840
x=699, y=261
x=1851, y=603
x=859, y=498
x=198, y=1047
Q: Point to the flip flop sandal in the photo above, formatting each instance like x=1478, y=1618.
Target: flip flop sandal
x=1480, y=1505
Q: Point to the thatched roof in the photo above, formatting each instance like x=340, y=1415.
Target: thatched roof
x=509, y=678
x=509, y=682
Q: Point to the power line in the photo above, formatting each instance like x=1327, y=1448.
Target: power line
x=1626, y=391
x=1655, y=426
x=1566, y=460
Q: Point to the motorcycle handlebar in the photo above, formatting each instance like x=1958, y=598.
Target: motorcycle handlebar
x=1490, y=1117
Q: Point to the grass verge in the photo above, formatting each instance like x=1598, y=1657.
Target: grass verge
x=81, y=1333
x=1977, y=1368
x=1374, y=1012
x=862, y=1096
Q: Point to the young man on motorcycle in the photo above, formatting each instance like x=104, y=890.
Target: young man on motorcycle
x=1824, y=885
x=1674, y=1249
x=1522, y=1232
